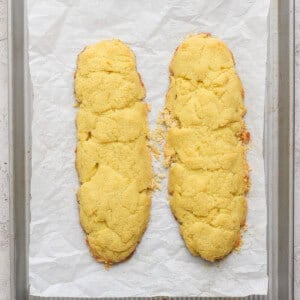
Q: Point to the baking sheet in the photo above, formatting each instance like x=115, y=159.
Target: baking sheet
x=60, y=264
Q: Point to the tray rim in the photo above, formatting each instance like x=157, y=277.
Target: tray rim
x=282, y=36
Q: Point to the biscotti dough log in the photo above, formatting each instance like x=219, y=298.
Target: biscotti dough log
x=112, y=159
x=206, y=147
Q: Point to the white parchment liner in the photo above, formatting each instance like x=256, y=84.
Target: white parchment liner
x=60, y=263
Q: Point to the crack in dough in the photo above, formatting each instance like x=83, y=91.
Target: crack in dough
x=113, y=158
x=206, y=147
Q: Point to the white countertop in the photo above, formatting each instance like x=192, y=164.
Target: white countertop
x=297, y=157
x=4, y=237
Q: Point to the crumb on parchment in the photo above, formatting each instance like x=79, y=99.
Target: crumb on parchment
x=155, y=151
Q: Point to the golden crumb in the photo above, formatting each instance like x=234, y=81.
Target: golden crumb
x=160, y=118
x=155, y=184
x=161, y=175
x=155, y=152
x=245, y=227
x=239, y=247
x=158, y=135
x=169, y=120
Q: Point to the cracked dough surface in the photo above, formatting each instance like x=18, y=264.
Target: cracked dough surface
x=113, y=159
x=206, y=147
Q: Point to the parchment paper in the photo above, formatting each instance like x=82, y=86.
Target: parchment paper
x=60, y=263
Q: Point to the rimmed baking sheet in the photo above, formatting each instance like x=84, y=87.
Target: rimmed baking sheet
x=16, y=137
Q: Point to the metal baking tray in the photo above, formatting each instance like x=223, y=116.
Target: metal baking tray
x=278, y=151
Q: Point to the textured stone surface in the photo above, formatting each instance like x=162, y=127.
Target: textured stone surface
x=4, y=237
x=297, y=155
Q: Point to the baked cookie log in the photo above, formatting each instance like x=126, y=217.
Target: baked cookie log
x=206, y=147
x=113, y=159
